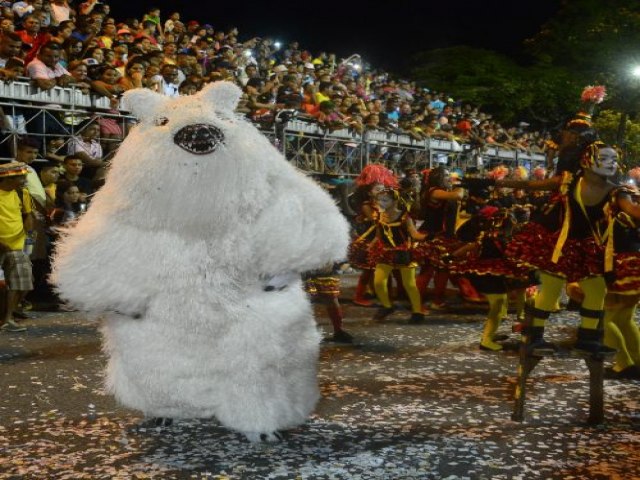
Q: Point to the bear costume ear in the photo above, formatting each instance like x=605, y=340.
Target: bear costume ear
x=224, y=95
x=142, y=102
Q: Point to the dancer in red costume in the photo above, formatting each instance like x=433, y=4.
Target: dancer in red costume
x=372, y=180
x=623, y=289
x=566, y=242
x=324, y=285
x=484, y=263
x=440, y=205
x=623, y=284
x=393, y=248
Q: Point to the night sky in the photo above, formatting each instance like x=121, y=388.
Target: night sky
x=382, y=35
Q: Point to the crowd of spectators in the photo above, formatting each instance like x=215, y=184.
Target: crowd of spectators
x=63, y=43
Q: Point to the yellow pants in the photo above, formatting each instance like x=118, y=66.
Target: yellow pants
x=497, y=310
x=594, y=289
x=621, y=332
x=408, y=274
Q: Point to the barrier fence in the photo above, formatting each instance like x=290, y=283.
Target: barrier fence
x=58, y=112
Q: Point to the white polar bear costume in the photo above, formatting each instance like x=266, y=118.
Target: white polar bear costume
x=199, y=211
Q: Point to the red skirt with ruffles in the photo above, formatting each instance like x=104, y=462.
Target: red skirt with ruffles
x=328, y=286
x=359, y=255
x=499, y=267
x=626, y=274
x=397, y=257
x=431, y=252
x=533, y=248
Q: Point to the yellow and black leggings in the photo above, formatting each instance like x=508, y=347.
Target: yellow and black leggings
x=408, y=274
x=591, y=309
x=621, y=333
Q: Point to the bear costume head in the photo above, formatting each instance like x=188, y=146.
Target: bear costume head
x=191, y=144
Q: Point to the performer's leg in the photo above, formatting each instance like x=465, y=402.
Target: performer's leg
x=621, y=330
x=409, y=282
x=467, y=289
x=496, y=308
x=335, y=314
x=423, y=279
x=595, y=289
x=520, y=298
x=614, y=338
x=440, y=281
x=547, y=297
x=400, y=292
x=361, y=289
x=380, y=278
x=590, y=332
x=545, y=300
x=631, y=333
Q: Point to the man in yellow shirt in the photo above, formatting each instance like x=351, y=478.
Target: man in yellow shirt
x=15, y=221
x=325, y=89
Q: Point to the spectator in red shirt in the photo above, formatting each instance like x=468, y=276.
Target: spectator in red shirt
x=464, y=126
x=32, y=36
x=148, y=30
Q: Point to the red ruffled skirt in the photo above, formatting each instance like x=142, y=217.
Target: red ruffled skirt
x=359, y=255
x=533, y=248
x=431, y=252
x=326, y=286
x=626, y=274
x=499, y=267
x=395, y=256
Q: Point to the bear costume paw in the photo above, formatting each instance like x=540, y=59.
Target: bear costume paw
x=258, y=437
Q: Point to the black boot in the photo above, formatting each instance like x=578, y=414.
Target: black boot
x=417, y=319
x=573, y=306
x=163, y=421
x=382, y=313
x=536, y=345
x=590, y=342
x=340, y=336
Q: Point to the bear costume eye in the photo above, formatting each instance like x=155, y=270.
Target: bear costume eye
x=161, y=121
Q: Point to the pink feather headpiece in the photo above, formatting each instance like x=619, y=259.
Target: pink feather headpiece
x=593, y=94
x=376, y=173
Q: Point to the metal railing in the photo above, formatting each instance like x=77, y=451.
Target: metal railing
x=58, y=112
x=54, y=113
x=312, y=148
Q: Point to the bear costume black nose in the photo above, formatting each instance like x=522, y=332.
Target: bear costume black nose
x=199, y=138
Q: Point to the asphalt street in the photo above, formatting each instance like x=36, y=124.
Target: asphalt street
x=403, y=402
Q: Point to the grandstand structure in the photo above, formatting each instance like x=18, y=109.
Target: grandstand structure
x=304, y=143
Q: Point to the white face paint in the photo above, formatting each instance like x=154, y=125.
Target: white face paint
x=376, y=189
x=384, y=201
x=606, y=164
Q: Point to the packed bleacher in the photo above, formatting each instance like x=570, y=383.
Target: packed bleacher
x=65, y=65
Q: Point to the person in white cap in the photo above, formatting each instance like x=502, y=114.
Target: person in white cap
x=309, y=73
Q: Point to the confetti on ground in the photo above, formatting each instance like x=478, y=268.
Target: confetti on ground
x=404, y=402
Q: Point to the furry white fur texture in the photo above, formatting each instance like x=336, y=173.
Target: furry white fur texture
x=174, y=254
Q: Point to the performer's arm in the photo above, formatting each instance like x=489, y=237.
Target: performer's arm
x=552, y=183
x=628, y=205
x=411, y=228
